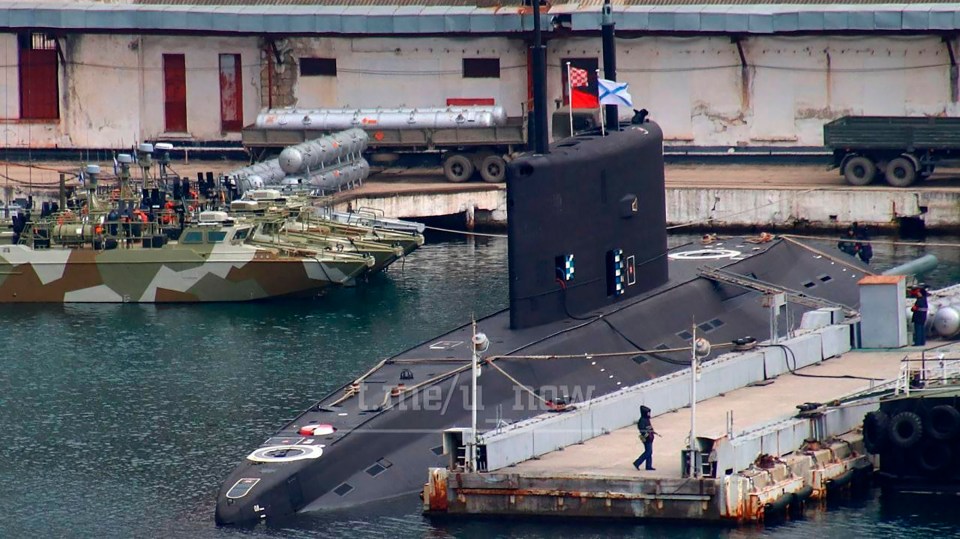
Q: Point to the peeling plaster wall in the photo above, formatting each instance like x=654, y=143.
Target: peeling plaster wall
x=100, y=97
x=695, y=87
x=412, y=72
x=202, y=58
x=690, y=85
x=111, y=90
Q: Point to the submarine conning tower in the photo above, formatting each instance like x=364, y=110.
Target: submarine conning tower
x=586, y=217
x=587, y=224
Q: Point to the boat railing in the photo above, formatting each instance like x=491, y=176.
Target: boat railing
x=926, y=374
x=70, y=230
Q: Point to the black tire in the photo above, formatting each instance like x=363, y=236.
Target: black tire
x=493, y=169
x=860, y=170
x=943, y=422
x=457, y=168
x=906, y=429
x=875, y=425
x=901, y=172
x=934, y=457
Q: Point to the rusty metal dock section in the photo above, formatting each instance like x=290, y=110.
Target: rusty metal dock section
x=759, y=455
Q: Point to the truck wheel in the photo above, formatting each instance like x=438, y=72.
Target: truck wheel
x=859, y=170
x=493, y=169
x=458, y=168
x=901, y=172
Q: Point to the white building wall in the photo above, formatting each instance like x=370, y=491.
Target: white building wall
x=202, y=59
x=100, y=92
x=111, y=90
x=112, y=85
x=691, y=86
x=410, y=72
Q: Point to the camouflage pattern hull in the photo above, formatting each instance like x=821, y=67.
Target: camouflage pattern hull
x=164, y=275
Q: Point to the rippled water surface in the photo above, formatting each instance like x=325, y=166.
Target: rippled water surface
x=121, y=420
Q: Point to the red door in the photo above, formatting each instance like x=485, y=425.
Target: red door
x=174, y=93
x=231, y=93
x=39, y=94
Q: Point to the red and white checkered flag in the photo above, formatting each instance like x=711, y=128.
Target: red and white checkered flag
x=578, y=77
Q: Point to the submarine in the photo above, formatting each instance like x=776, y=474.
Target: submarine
x=594, y=294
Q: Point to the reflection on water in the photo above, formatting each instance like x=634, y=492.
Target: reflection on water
x=121, y=420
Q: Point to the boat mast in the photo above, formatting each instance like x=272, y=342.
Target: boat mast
x=539, y=55
x=609, y=62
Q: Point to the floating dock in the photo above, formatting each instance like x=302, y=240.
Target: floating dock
x=759, y=452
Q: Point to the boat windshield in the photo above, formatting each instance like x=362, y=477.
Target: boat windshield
x=241, y=234
x=192, y=236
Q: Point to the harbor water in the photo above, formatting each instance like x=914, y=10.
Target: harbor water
x=121, y=420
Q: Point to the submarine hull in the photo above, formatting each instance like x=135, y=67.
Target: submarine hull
x=381, y=432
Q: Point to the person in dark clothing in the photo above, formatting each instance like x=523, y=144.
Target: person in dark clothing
x=920, y=317
x=864, y=249
x=646, y=436
x=849, y=243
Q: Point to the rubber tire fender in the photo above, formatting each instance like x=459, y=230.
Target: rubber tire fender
x=875, y=425
x=866, y=167
x=906, y=429
x=934, y=456
x=943, y=422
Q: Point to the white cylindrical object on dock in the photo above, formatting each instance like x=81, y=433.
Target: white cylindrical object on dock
x=336, y=178
x=393, y=118
x=324, y=151
x=269, y=171
x=946, y=321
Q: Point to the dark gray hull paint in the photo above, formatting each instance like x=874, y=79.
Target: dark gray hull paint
x=403, y=435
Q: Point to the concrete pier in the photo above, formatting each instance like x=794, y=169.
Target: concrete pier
x=709, y=206
x=770, y=459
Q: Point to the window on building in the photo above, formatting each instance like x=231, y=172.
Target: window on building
x=39, y=87
x=318, y=67
x=481, y=68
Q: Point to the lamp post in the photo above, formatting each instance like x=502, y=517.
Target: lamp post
x=693, y=404
x=479, y=343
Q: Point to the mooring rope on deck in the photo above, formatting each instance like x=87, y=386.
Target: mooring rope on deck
x=465, y=232
x=878, y=242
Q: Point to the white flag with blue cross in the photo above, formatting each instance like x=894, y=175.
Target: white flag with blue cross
x=614, y=93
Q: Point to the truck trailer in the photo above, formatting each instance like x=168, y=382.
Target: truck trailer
x=467, y=139
x=901, y=149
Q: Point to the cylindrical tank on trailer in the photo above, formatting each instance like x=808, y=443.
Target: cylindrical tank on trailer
x=383, y=118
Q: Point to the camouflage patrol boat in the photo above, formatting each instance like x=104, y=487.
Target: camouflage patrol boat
x=293, y=218
x=93, y=260
x=289, y=234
